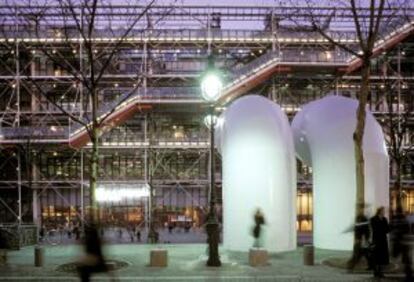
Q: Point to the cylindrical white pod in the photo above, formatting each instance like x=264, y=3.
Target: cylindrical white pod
x=259, y=171
x=323, y=133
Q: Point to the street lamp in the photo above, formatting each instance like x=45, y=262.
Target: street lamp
x=211, y=86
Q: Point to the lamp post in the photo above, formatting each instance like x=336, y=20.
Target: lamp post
x=211, y=86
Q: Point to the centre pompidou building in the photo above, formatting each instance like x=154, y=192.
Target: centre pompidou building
x=132, y=73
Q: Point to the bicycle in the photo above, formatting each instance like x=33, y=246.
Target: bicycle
x=53, y=237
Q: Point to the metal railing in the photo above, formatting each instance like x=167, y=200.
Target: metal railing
x=286, y=56
x=28, y=133
x=48, y=34
x=150, y=93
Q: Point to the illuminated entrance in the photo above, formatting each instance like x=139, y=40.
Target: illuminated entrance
x=123, y=204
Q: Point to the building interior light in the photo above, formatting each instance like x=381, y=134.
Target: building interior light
x=116, y=194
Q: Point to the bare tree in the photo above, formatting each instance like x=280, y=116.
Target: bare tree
x=397, y=120
x=84, y=40
x=367, y=21
x=370, y=20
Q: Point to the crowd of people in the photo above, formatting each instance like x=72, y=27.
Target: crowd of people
x=371, y=242
x=70, y=229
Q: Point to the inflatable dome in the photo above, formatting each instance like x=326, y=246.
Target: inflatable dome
x=323, y=134
x=259, y=171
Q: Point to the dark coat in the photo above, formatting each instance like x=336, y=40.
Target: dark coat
x=380, y=229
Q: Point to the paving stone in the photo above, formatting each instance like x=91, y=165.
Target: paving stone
x=186, y=262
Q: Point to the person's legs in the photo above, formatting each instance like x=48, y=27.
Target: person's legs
x=406, y=260
x=356, y=256
x=84, y=273
x=368, y=257
x=378, y=270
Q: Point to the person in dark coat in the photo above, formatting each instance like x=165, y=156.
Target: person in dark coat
x=76, y=231
x=380, y=229
x=138, y=235
x=400, y=231
x=42, y=233
x=94, y=260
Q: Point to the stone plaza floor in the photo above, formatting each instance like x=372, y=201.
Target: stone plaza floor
x=186, y=262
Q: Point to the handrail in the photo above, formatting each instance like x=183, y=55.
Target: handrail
x=237, y=76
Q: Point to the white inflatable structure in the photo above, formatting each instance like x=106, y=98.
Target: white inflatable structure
x=323, y=133
x=259, y=171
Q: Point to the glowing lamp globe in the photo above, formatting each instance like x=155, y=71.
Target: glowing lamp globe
x=210, y=119
x=211, y=86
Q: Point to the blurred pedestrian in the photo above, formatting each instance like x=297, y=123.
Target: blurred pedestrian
x=93, y=261
x=380, y=229
x=70, y=229
x=42, y=233
x=361, y=249
x=257, y=229
x=187, y=227
x=120, y=233
x=76, y=231
x=400, y=230
x=131, y=233
x=138, y=234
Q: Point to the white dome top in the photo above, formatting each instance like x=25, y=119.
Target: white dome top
x=331, y=121
x=244, y=119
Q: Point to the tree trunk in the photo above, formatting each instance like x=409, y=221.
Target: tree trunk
x=93, y=174
x=94, y=134
x=359, y=136
x=398, y=186
x=359, y=152
x=152, y=232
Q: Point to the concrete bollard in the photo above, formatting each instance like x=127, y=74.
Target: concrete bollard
x=308, y=255
x=159, y=258
x=3, y=257
x=258, y=257
x=39, y=256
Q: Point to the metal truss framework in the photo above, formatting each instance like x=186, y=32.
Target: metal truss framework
x=289, y=64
